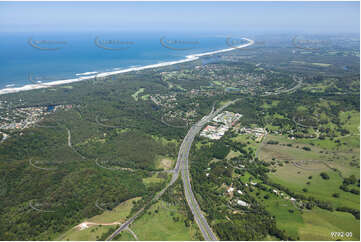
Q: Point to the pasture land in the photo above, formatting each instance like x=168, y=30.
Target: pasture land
x=163, y=222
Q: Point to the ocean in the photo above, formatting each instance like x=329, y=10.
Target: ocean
x=28, y=58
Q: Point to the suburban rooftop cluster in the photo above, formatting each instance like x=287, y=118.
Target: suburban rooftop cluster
x=220, y=125
x=21, y=118
x=259, y=133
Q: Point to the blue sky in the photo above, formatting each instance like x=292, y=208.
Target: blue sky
x=267, y=17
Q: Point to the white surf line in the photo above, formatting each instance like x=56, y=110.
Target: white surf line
x=86, y=73
x=105, y=74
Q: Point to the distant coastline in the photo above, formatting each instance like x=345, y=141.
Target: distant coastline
x=86, y=76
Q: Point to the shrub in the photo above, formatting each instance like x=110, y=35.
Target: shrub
x=324, y=175
x=354, y=212
x=344, y=188
x=272, y=142
x=309, y=205
x=355, y=191
x=349, y=180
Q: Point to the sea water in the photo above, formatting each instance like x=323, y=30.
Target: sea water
x=28, y=58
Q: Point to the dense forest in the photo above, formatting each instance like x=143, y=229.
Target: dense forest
x=118, y=128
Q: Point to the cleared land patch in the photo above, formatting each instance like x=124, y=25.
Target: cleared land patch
x=125, y=235
x=299, y=169
x=319, y=223
x=296, y=179
x=162, y=222
x=164, y=162
x=153, y=179
x=93, y=231
x=90, y=234
x=119, y=213
x=135, y=95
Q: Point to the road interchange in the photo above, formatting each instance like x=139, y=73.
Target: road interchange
x=182, y=165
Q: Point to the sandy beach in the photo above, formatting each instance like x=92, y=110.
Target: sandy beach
x=105, y=74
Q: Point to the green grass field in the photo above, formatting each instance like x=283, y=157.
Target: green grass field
x=89, y=234
x=279, y=207
x=152, y=179
x=322, y=156
x=280, y=152
x=145, y=97
x=161, y=225
x=315, y=224
x=321, y=150
x=233, y=154
x=135, y=95
x=164, y=141
x=274, y=103
x=319, y=223
x=246, y=139
x=351, y=121
x=165, y=163
x=118, y=214
x=295, y=179
x=124, y=236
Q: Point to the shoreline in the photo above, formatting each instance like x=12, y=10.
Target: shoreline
x=188, y=58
